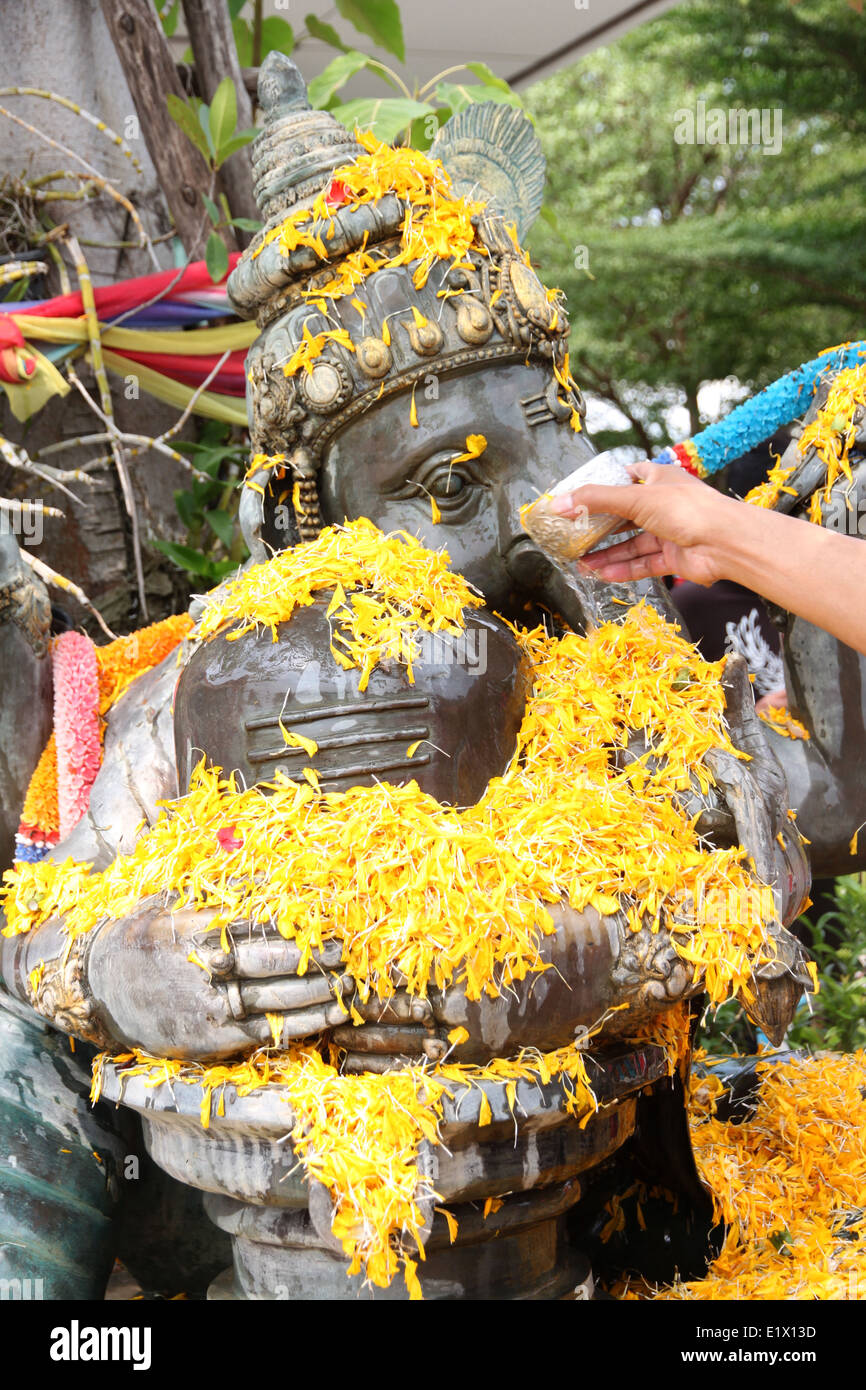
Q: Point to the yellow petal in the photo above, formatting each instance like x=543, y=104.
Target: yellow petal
x=337, y=600
x=276, y=1025
x=294, y=740
x=451, y=1223
x=475, y=446
x=413, y=1283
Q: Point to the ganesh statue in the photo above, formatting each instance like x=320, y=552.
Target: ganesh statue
x=397, y=867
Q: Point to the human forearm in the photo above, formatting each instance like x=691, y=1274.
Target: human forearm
x=690, y=530
x=817, y=574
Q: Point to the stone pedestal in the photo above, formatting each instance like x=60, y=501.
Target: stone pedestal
x=280, y=1224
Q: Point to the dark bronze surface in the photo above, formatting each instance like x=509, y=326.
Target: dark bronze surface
x=479, y=500
x=464, y=708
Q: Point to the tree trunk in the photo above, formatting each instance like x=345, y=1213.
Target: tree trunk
x=151, y=75
x=693, y=409
x=216, y=57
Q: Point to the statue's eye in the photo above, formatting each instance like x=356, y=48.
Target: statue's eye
x=452, y=486
x=447, y=484
x=456, y=488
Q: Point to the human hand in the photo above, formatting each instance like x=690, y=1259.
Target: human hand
x=774, y=699
x=681, y=521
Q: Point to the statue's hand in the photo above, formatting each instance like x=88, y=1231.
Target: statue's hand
x=161, y=982
x=755, y=790
x=591, y=966
x=156, y=981
x=756, y=793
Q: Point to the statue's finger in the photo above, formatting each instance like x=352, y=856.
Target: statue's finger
x=301, y=1023
x=261, y=955
x=407, y=1040
x=292, y=992
x=401, y=1007
x=744, y=800
x=356, y=1063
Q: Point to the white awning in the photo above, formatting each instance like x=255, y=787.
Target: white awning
x=520, y=41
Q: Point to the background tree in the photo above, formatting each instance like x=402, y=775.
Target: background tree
x=706, y=261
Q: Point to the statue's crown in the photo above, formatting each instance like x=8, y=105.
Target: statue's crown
x=377, y=266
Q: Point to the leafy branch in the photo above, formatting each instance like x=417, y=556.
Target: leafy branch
x=213, y=129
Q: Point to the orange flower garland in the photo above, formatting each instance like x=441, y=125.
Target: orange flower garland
x=117, y=666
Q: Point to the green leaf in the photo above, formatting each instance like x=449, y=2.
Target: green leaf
x=458, y=95
x=185, y=508
x=213, y=211
x=454, y=95
x=317, y=29
x=188, y=559
x=386, y=117
x=237, y=142
x=380, y=20
x=223, y=113
x=334, y=76
x=235, y=7
x=547, y=215
x=246, y=224
x=186, y=117
x=204, y=122
x=423, y=131
x=220, y=568
x=243, y=42
x=216, y=258
x=169, y=23
x=277, y=34
x=222, y=526
x=18, y=290
x=489, y=78
x=202, y=493
x=208, y=462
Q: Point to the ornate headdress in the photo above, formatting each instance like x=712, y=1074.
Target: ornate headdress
x=375, y=267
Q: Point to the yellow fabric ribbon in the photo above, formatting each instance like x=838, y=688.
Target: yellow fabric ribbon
x=231, y=409
x=189, y=342
x=47, y=381
x=30, y=394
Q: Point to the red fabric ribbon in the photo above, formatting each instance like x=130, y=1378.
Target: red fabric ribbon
x=193, y=370
x=10, y=334
x=112, y=300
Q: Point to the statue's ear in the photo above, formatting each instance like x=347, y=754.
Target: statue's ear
x=492, y=153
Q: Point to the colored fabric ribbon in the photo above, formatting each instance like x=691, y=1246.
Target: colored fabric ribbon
x=163, y=344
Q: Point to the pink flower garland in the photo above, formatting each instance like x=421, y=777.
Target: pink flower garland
x=76, y=724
